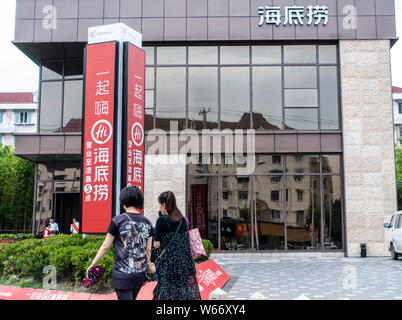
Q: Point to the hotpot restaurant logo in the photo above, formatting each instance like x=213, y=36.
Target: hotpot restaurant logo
x=137, y=134
x=294, y=15
x=101, y=131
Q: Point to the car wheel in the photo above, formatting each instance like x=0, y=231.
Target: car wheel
x=394, y=255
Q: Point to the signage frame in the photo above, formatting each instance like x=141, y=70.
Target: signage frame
x=115, y=114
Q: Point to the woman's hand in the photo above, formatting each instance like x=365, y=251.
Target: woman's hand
x=88, y=270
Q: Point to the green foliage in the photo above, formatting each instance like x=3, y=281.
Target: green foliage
x=16, y=236
x=208, y=246
x=16, y=190
x=71, y=255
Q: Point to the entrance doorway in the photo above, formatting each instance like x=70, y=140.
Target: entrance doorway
x=67, y=206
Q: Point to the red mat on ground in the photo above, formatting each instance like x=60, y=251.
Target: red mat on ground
x=209, y=276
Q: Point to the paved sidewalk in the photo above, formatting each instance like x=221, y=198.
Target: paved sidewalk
x=314, y=278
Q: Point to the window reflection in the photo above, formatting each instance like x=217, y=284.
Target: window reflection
x=72, y=110
x=327, y=54
x=266, y=55
x=329, y=98
x=203, y=55
x=171, y=97
x=301, y=119
x=235, y=98
x=236, y=213
x=303, y=217
x=331, y=164
x=269, y=213
x=45, y=171
x=333, y=212
x=300, y=54
x=171, y=55
x=43, y=206
x=51, y=104
x=301, y=77
x=267, y=98
x=203, y=206
x=203, y=98
x=235, y=55
x=301, y=98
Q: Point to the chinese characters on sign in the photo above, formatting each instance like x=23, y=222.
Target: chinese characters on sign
x=135, y=74
x=98, y=137
x=295, y=15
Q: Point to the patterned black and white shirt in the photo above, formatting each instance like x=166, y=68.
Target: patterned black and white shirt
x=131, y=236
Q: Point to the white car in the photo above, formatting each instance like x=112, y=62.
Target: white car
x=393, y=235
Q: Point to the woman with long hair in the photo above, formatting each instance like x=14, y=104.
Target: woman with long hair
x=176, y=273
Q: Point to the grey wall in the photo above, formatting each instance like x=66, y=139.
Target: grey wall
x=178, y=20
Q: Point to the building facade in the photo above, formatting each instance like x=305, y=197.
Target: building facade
x=18, y=114
x=397, y=109
x=311, y=78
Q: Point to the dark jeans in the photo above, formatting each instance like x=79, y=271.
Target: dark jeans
x=130, y=294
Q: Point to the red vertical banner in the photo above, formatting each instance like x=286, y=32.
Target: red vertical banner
x=134, y=132
x=201, y=208
x=98, y=137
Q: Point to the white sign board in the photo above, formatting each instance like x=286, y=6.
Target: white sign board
x=114, y=32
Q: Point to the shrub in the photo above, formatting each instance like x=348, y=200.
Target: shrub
x=208, y=246
x=16, y=236
x=71, y=255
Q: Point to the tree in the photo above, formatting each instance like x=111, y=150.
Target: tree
x=17, y=178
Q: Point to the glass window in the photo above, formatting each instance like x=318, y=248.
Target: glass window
x=61, y=172
x=67, y=186
x=266, y=55
x=50, y=106
x=331, y=164
x=235, y=55
x=203, y=55
x=202, y=206
x=171, y=97
x=201, y=164
x=45, y=171
x=400, y=107
x=72, y=112
x=267, y=98
x=300, y=54
x=301, y=77
x=235, y=98
x=171, y=55
x=150, y=78
x=149, y=55
x=268, y=164
x=52, y=70
x=329, y=107
x=236, y=225
x=270, y=215
x=149, y=99
x=301, y=119
x=23, y=117
x=203, y=97
x=301, y=98
x=303, y=232
x=303, y=164
x=43, y=207
x=333, y=212
x=327, y=54
x=149, y=119
x=230, y=163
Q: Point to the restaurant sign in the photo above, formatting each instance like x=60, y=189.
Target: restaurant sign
x=294, y=15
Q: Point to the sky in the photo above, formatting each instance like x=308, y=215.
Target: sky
x=19, y=74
